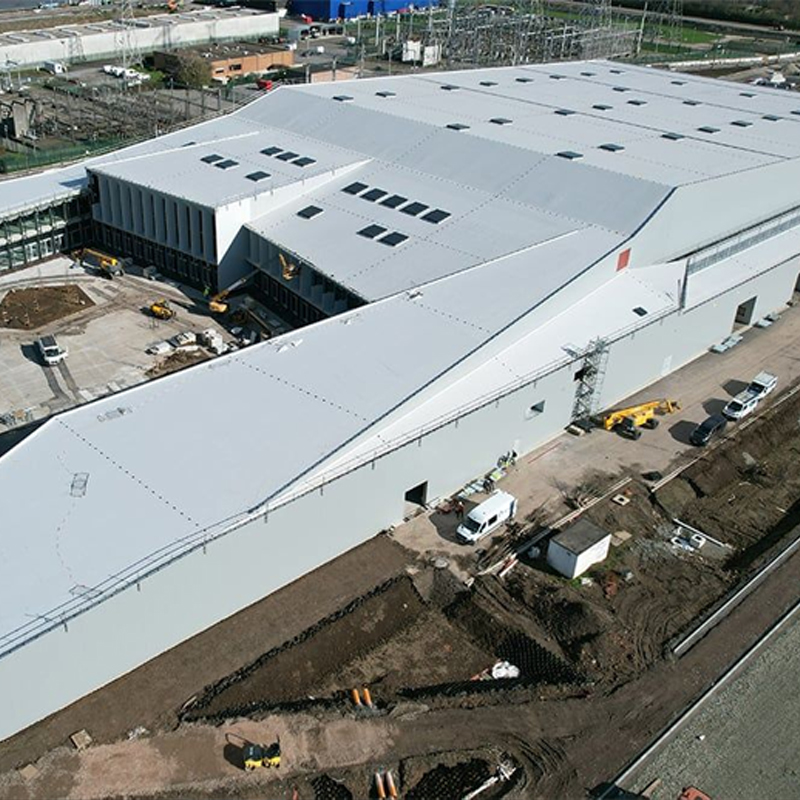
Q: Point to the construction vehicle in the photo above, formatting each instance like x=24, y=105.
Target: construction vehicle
x=257, y=755
x=693, y=793
x=217, y=304
x=629, y=421
x=102, y=263
x=161, y=309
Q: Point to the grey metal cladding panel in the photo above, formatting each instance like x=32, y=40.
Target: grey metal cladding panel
x=490, y=297
x=72, y=541
x=466, y=160
x=587, y=193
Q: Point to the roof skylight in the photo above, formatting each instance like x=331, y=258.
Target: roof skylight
x=772, y=117
x=354, y=188
x=741, y=123
x=271, y=151
x=637, y=102
x=257, y=176
x=304, y=161
x=488, y=83
x=564, y=112
x=393, y=239
x=436, y=216
x=602, y=107
x=524, y=80
x=448, y=87
x=226, y=164
x=371, y=231
x=414, y=209
x=672, y=136
x=570, y=155
x=501, y=121
x=458, y=126
x=374, y=194
x=210, y=159
x=708, y=129
x=342, y=98
x=394, y=200
x=288, y=155
x=611, y=147
x=386, y=94
x=309, y=212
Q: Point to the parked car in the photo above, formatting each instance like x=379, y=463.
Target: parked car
x=743, y=404
x=707, y=430
x=762, y=385
x=51, y=352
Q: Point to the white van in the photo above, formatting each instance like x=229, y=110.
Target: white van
x=762, y=385
x=486, y=517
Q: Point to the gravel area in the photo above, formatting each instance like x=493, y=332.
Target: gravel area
x=744, y=742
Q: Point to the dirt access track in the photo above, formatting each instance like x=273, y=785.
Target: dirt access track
x=592, y=659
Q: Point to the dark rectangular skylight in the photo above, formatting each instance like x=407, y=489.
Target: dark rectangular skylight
x=741, y=123
x=371, y=231
x=448, y=87
x=708, y=129
x=257, y=176
x=616, y=71
x=309, y=212
x=342, y=98
x=271, y=151
x=611, y=147
x=304, y=161
x=602, y=107
x=679, y=83
x=637, y=102
x=211, y=158
x=394, y=200
x=188, y=144
x=393, y=239
x=639, y=311
x=747, y=94
x=226, y=164
x=414, y=209
x=436, y=216
x=673, y=136
x=564, y=112
x=691, y=102
x=524, y=80
x=501, y=121
x=772, y=117
x=287, y=156
x=557, y=77
x=458, y=126
x=374, y=194
x=588, y=74
x=488, y=83
x=386, y=94
x=796, y=112
x=571, y=155
x=621, y=89
x=355, y=188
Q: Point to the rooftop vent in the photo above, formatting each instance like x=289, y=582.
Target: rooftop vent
x=602, y=107
x=371, y=231
x=393, y=239
x=639, y=311
x=288, y=155
x=257, y=176
x=672, y=136
x=458, y=126
x=488, y=83
x=211, y=159
x=679, y=83
x=564, y=112
x=436, y=216
x=637, y=102
x=304, y=161
x=772, y=117
x=414, y=209
x=271, y=151
x=342, y=98
x=226, y=164
x=571, y=155
x=394, y=200
x=741, y=123
x=691, y=102
x=448, y=87
x=355, y=188
x=500, y=121
x=588, y=74
x=374, y=194
x=621, y=89
x=747, y=94
x=309, y=212
x=524, y=80
x=611, y=147
x=386, y=94
x=708, y=129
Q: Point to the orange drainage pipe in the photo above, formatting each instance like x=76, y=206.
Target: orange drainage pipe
x=392, y=789
x=367, y=697
x=356, y=697
x=379, y=786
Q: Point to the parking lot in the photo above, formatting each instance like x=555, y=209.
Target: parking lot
x=106, y=343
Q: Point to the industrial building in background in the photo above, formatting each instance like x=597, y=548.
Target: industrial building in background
x=472, y=262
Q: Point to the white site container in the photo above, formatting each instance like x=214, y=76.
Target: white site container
x=577, y=548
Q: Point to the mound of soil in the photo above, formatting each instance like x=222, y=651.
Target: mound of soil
x=180, y=359
x=27, y=309
x=453, y=781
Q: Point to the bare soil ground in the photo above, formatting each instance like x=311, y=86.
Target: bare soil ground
x=180, y=359
x=31, y=308
x=595, y=685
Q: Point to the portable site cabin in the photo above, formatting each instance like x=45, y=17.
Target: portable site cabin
x=577, y=548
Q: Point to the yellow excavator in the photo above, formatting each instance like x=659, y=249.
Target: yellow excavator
x=161, y=309
x=258, y=755
x=629, y=421
x=217, y=304
x=104, y=264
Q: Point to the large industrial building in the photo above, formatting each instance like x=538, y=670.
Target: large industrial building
x=473, y=260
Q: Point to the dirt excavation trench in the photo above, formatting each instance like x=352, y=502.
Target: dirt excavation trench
x=593, y=655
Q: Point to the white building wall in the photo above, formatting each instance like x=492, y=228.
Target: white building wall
x=175, y=31
x=562, y=560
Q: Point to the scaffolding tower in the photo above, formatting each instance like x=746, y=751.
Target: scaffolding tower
x=589, y=378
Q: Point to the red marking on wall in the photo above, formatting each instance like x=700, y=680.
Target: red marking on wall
x=623, y=259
